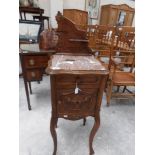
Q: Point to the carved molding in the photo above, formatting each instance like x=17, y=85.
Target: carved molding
x=77, y=103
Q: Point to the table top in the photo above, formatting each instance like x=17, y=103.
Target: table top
x=31, y=9
x=33, y=49
x=75, y=64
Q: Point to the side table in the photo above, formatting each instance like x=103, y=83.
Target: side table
x=77, y=85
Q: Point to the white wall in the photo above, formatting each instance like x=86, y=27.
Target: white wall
x=45, y=4
x=55, y=6
x=74, y=4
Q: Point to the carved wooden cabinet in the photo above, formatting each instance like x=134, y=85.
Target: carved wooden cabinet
x=77, y=79
x=77, y=85
x=114, y=14
x=79, y=17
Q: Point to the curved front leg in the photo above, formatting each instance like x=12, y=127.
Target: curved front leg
x=53, y=133
x=93, y=132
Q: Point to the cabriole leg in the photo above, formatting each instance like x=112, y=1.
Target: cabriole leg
x=93, y=132
x=53, y=133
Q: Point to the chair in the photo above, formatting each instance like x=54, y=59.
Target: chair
x=91, y=32
x=104, y=40
x=126, y=37
x=125, y=43
x=122, y=63
x=120, y=78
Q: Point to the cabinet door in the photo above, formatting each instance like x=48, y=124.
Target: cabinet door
x=79, y=17
x=113, y=17
x=69, y=14
x=84, y=19
x=129, y=19
x=104, y=16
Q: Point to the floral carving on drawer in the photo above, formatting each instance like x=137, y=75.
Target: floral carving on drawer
x=80, y=103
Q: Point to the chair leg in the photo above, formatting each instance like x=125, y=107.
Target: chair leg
x=124, y=89
x=84, y=121
x=118, y=88
x=109, y=92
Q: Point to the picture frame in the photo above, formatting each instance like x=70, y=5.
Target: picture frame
x=92, y=6
x=29, y=30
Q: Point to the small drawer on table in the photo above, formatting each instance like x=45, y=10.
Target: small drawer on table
x=35, y=61
x=34, y=75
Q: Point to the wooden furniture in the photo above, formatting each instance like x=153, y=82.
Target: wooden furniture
x=112, y=14
x=79, y=17
x=42, y=18
x=91, y=35
x=77, y=80
x=102, y=38
x=120, y=77
x=107, y=40
x=71, y=39
x=33, y=62
x=122, y=64
x=125, y=44
x=30, y=10
x=126, y=37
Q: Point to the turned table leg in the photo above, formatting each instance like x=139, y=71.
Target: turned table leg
x=93, y=132
x=27, y=94
x=53, y=125
x=30, y=87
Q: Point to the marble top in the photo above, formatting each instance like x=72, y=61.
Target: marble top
x=68, y=62
x=71, y=64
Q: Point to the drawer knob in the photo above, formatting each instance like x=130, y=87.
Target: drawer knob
x=31, y=62
x=33, y=74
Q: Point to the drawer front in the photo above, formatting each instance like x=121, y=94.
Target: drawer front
x=35, y=61
x=84, y=81
x=70, y=102
x=34, y=75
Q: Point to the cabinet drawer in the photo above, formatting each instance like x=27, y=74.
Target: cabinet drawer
x=35, y=61
x=34, y=75
x=73, y=104
x=83, y=79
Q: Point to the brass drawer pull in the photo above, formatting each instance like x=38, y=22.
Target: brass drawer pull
x=33, y=74
x=31, y=62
